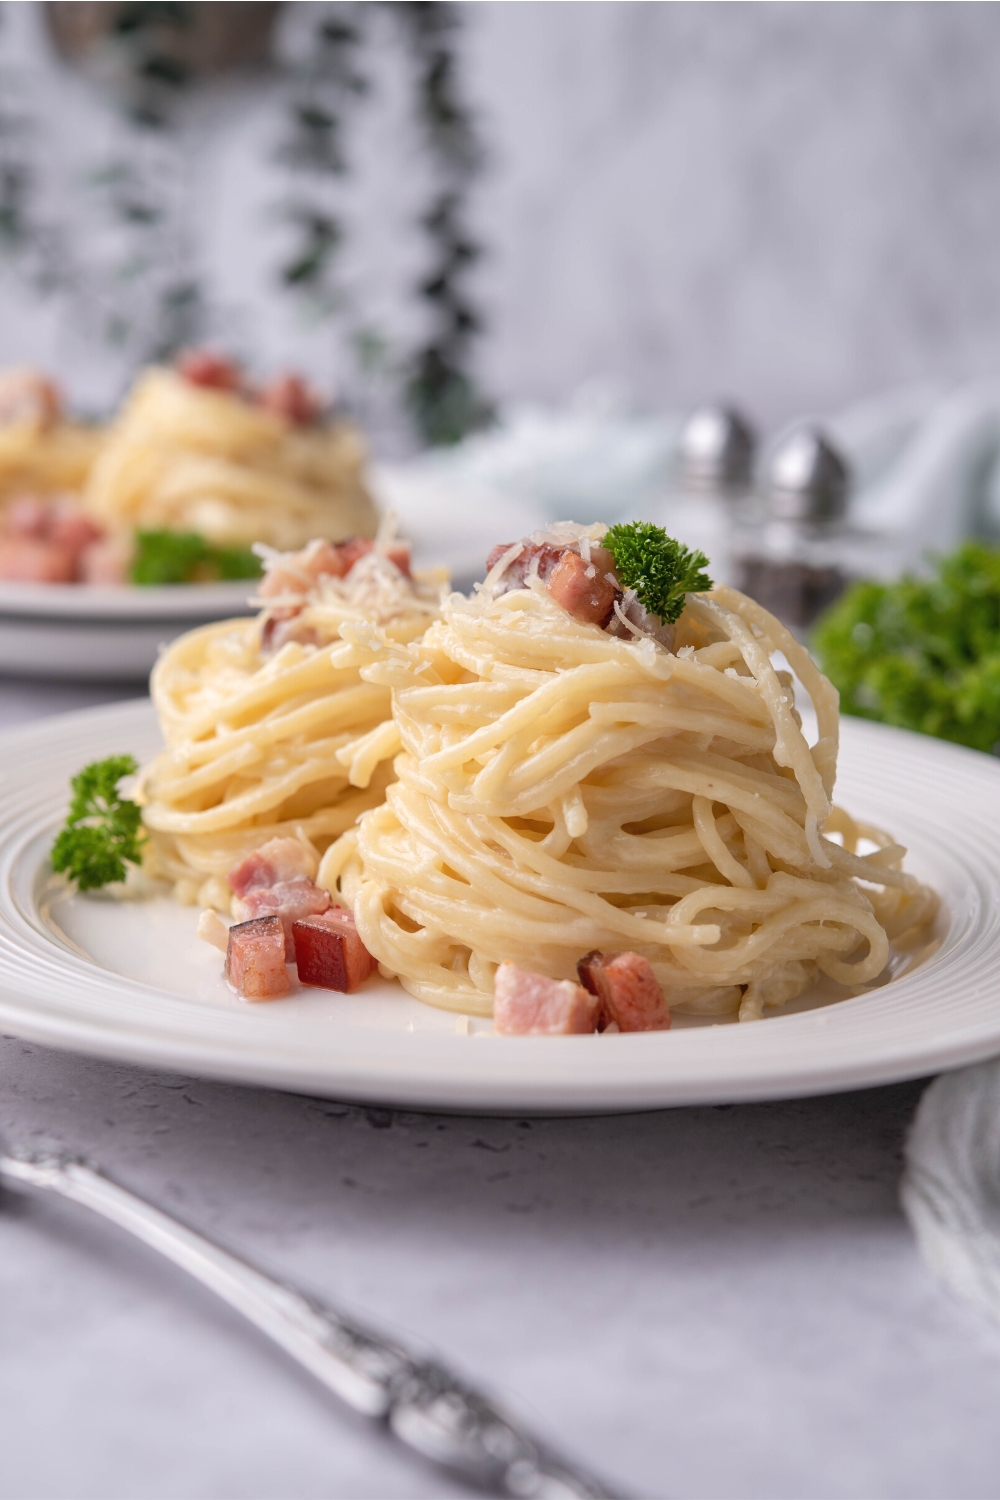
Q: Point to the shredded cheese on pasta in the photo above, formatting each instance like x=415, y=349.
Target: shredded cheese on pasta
x=270, y=729
x=562, y=789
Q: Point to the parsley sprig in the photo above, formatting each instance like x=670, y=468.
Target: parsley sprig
x=922, y=653
x=660, y=569
x=101, y=831
x=186, y=557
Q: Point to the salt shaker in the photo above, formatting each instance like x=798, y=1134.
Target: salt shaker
x=797, y=553
x=712, y=480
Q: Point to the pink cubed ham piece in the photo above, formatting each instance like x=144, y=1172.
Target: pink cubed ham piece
x=68, y=527
x=255, y=959
x=534, y=557
x=26, y=515
x=584, y=592
x=288, y=396
x=277, y=860
x=106, y=561
x=298, y=572
x=202, y=367
x=330, y=953
x=28, y=396
x=26, y=559
x=628, y=991
x=285, y=624
x=289, y=900
x=526, y=1004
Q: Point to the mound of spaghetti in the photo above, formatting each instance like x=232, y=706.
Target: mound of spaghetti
x=601, y=765
x=270, y=731
x=194, y=450
x=42, y=452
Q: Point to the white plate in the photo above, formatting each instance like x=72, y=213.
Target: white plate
x=131, y=981
x=80, y=630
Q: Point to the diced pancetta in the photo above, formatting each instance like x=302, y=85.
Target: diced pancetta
x=25, y=559
x=26, y=515
x=330, y=953
x=277, y=860
x=288, y=396
x=202, y=367
x=285, y=624
x=583, y=592
x=629, y=993
x=29, y=396
x=643, y=621
x=105, y=561
x=534, y=558
x=288, y=899
x=69, y=527
x=299, y=572
x=527, y=1004
x=255, y=959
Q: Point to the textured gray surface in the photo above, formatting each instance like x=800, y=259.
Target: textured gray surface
x=703, y=1302
x=709, y=1302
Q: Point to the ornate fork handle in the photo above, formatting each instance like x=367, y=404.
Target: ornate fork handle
x=426, y=1407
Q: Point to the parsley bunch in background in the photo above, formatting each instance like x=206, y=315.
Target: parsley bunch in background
x=922, y=654
x=101, y=832
x=186, y=557
x=660, y=569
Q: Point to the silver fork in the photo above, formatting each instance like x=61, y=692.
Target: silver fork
x=420, y=1401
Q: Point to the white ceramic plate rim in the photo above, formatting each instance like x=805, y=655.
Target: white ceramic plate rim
x=124, y=603
x=944, y=1014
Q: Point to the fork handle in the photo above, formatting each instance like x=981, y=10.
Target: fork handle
x=426, y=1407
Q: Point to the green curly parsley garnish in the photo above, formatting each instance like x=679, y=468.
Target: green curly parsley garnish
x=660, y=569
x=922, y=653
x=186, y=557
x=102, y=829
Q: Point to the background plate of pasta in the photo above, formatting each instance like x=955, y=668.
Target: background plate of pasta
x=116, y=535
x=592, y=837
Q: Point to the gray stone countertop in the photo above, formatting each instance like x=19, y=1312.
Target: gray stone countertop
x=699, y=1302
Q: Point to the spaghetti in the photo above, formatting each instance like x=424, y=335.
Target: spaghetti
x=186, y=456
x=270, y=730
x=42, y=452
x=563, y=789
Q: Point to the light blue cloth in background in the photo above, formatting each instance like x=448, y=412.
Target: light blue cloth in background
x=925, y=460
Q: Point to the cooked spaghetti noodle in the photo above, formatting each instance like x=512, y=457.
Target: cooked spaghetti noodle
x=42, y=452
x=561, y=789
x=185, y=457
x=270, y=730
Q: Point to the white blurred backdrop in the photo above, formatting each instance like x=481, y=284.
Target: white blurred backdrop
x=793, y=204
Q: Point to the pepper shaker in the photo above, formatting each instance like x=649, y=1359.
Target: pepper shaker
x=797, y=553
x=713, y=478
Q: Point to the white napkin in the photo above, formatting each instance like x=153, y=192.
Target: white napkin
x=951, y=1186
x=926, y=464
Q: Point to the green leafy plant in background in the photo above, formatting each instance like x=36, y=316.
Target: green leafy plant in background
x=440, y=390
x=186, y=557
x=660, y=569
x=328, y=84
x=132, y=281
x=922, y=653
x=102, y=829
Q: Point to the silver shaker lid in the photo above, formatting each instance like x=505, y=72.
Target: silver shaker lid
x=716, y=449
x=807, y=479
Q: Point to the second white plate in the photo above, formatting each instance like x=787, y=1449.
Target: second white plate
x=69, y=630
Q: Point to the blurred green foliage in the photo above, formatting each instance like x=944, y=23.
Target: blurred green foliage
x=922, y=653
x=186, y=557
